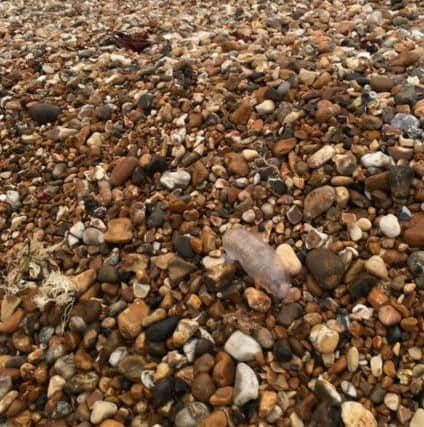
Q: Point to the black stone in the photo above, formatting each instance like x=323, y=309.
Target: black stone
x=406, y=95
x=145, y=102
x=416, y=263
x=156, y=217
x=277, y=187
x=156, y=350
x=163, y=391
x=394, y=334
x=157, y=164
x=282, y=351
x=107, y=273
x=160, y=331
x=289, y=313
x=183, y=247
x=180, y=387
x=400, y=180
x=104, y=112
x=44, y=113
x=138, y=176
x=362, y=285
x=203, y=346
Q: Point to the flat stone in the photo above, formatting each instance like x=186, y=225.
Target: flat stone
x=119, y=231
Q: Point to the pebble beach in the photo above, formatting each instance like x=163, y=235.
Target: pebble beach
x=134, y=135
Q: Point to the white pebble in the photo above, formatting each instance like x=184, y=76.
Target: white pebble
x=389, y=225
x=242, y=347
x=246, y=385
x=376, y=160
x=265, y=107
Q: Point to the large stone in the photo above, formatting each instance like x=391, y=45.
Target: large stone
x=44, y=113
x=354, y=414
x=242, y=347
x=318, y=201
x=326, y=267
x=122, y=170
x=246, y=385
x=119, y=231
x=414, y=234
x=130, y=321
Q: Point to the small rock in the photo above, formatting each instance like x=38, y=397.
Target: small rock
x=418, y=418
x=381, y=83
x=156, y=164
x=191, y=415
x=107, y=273
x=163, y=391
x=241, y=115
x=375, y=265
x=400, y=180
x=242, y=347
x=389, y=226
x=216, y=419
x=80, y=383
x=119, y=231
x=324, y=339
x=376, y=364
x=321, y=156
x=236, y=164
x=185, y=330
x=179, y=269
x=131, y=367
x=414, y=234
x=130, y=321
x=183, y=246
x=308, y=77
x=289, y=259
x=354, y=414
x=318, y=201
x=203, y=387
x=294, y=215
x=388, y=315
x=325, y=110
x=282, y=351
x=289, y=313
x=123, y=170
x=392, y=401
x=326, y=267
x=257, y=300
x=5, y=385
x=171, y=180
x=246, y=385
x=408, y=123
x=93, y=236
x=406, y=95
x=376, y=160
x=56, y=384
x=162, y=330
x=265, y=107
x=352, y=359
x=345, y=163
x=44, y=113
x=283, y=147
x=102, y=410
